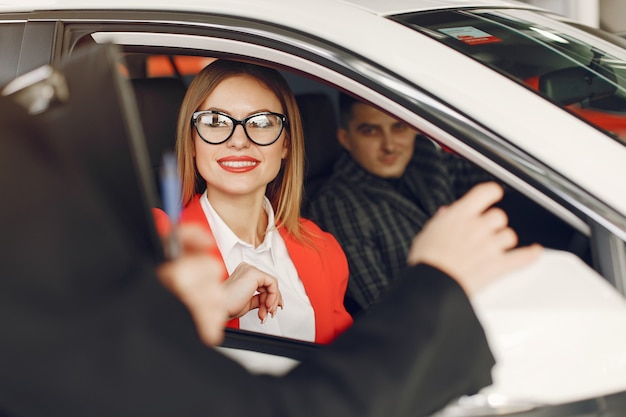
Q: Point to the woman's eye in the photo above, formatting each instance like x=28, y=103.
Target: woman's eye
x=260, y=123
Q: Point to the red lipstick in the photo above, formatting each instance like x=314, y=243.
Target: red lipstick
x=238, y=164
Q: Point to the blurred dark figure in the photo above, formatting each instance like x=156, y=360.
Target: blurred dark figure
x=88, y=330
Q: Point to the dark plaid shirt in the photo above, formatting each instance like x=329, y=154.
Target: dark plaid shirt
x=375, y=219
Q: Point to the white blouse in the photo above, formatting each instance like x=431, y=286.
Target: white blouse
x=296, y=319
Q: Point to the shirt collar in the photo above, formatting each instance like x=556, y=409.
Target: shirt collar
x=347, y=167
x=225, y=238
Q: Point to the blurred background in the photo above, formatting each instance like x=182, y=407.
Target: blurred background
x=609, y=15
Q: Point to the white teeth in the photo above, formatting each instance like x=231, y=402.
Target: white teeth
x=238, y=164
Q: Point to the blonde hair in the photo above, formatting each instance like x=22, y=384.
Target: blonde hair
x=285, y=191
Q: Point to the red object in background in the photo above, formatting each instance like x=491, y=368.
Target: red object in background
x=612, y=122
x=161, y=65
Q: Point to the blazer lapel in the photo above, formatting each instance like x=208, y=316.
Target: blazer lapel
x=311, y=270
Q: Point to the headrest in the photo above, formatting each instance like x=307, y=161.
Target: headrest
x=159, y=100
x=319, y=122
x=578, y=84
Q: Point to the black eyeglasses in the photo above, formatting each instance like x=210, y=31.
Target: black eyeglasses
x=215, y=127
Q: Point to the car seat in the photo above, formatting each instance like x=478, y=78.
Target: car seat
x=158, y=102
x=319, y=123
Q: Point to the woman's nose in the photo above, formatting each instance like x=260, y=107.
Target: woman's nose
x=238, y=139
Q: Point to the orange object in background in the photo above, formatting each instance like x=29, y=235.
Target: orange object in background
x=161, y=65
x=612, y=122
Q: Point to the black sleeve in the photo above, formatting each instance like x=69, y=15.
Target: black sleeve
x=88, y=331
x=420, y=347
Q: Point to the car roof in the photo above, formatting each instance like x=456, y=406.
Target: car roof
x=378, y=7
x=386, y=8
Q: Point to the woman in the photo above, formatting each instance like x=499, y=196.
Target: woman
x=240, y=152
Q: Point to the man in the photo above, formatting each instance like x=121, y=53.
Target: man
x=88, y=329
x=386, y=185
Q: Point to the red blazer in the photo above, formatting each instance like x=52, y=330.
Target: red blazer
x=323, y=270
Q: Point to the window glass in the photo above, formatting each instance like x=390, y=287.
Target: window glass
x=11, y=35
x=319, y=113
x=587, y=79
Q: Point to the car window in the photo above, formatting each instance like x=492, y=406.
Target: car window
x=319, y=111
x=10, y=42
x=320, y=122
x=588, y=79
x=168, y=63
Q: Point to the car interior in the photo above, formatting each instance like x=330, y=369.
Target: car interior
x=159, y=90
x=571, y=74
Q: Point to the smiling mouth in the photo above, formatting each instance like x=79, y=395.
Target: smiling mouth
x=389, y=159
x=238, y=164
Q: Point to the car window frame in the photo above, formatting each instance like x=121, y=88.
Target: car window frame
x=11, y=35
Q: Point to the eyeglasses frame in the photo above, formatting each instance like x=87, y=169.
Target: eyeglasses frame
x=236, y=122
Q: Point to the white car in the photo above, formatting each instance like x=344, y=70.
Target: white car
x=536, y=99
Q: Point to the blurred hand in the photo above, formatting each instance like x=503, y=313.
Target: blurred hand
x=241, y=291
x=471, y=241
x=195, y=278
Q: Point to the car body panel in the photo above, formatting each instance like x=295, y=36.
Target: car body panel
x=380, y=8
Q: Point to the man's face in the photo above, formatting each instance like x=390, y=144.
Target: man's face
x=379, y=143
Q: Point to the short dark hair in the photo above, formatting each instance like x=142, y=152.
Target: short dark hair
x=346, y=104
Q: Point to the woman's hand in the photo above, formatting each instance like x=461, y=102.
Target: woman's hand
x=195, y=278
x=248, y=288
x=471, y=241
